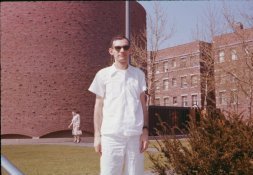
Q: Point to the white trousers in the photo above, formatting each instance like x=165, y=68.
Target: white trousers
x=121, y=156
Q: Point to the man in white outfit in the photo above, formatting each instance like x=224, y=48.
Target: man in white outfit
x=120, y=113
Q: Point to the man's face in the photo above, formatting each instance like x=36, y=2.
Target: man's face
x=120, y=51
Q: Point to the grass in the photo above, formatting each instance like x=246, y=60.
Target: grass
x=55, y=159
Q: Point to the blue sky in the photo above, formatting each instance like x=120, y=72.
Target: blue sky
x=187, y=14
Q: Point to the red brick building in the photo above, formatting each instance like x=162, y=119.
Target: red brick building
x=234, y=70
x=180, y=74
x=208, y=74
x=50, y=52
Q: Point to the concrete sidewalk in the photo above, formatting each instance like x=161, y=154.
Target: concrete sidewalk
x=85, y=141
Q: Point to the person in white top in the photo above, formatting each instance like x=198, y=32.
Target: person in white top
x=120, y=113
x=76, y=126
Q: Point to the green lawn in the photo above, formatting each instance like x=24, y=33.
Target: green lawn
x=55, y=159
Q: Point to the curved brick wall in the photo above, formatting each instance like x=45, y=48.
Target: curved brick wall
x=50, y=52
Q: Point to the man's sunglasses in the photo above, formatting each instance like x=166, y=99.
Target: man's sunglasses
x=118, y=48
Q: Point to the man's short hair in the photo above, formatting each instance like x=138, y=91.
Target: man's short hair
x=119, y=37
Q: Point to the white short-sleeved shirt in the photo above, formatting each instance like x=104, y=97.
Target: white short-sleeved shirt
x=122, y=109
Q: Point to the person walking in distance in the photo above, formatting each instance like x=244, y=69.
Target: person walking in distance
x=120, y=113
x=76, y=132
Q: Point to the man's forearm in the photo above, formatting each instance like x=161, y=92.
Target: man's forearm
x=145, y=110
x=146, y=119
x=98, y=117
x=97, y=120
x=97, y=124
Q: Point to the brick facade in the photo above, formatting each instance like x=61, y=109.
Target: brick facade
x=193, y=74
x=50, y=52
x=179, y=75
x=233, y=70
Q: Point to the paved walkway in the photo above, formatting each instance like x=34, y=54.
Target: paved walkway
x=85, y=141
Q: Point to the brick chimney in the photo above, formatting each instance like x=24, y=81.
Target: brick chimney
x=238, y=26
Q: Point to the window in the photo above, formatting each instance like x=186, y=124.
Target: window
x=184, y=101
x=156, y=68
x=233, y=54
x=221, y=56
x=174, y=100
x=233, y=97
x=165, y=66
x=183, y=62
x=222, y=79
x=156, y=85
x=173, y=63
x=233, y=78
x=157, y=101
x=194, y=61
x=165, y=84
x=174, y=82
x=183, y=82
x=194, y=100
x=217, y=78
x=166, y=101
x=194, y=80
x=222, y=98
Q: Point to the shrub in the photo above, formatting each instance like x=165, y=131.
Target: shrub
x=217, y=145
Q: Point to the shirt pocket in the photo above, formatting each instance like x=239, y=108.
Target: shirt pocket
x=133, y=89
x=133, y=106
x=113, y=89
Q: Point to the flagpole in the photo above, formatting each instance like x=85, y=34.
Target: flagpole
x=127, y=23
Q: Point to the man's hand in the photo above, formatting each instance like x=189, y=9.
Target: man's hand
x=144, y=141
x=97, y=144
x=98, y=149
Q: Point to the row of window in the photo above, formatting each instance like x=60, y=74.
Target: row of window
x=231, y=98
x=183, y=83
x=184, y=101
x=173, y=64
x=233, y=53
x=224, y=99
x=224, y=78
x=183, y=61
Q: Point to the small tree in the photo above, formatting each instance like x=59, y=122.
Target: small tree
x=235, y=78
x=216, y=145
x=156, y=34
x=242, y=71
